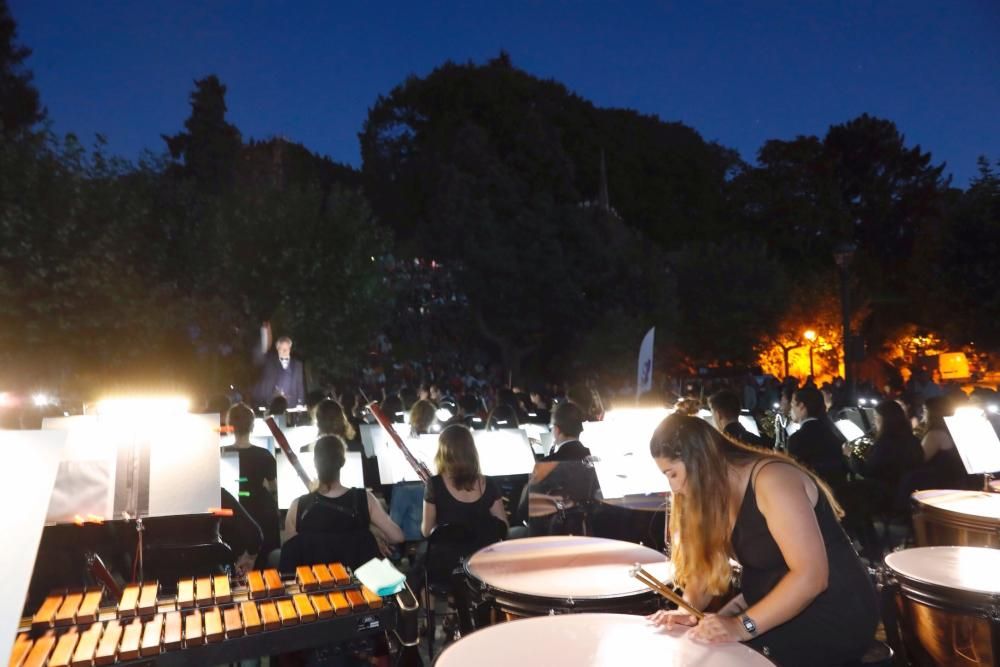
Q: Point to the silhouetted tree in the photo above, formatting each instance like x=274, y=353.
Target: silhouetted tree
x=20, y=108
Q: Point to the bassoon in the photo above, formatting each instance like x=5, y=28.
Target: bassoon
x=418, y=466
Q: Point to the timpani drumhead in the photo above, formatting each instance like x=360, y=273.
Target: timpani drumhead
x=970, y=503
x=566, y=567
x=965, y=569
x=591, y=640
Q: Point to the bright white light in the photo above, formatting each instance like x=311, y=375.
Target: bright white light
x=443, y=414
x=145, y=406
x=41, y=400
x=849, y=429
x=992, y=408
x=969, y=411
x=777, y=406
x=874, y=401
x=862, y=401
x=6, y=399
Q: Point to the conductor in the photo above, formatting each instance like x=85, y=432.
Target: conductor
x=280, y=374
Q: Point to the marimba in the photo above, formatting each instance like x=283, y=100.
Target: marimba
x=208, y=621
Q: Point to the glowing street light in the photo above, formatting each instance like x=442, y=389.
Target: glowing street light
x=811, y=337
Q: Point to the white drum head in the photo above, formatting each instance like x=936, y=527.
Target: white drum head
x=970, y=569
x=591, y=640
x=972, y=503
x=567, y=567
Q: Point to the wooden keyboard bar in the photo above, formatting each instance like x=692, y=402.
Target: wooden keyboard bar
x=322, y=605
x=273, y=582
x=323, y=577
x=47, y=612
x=307, y=580
x=131, y=637
x=233, y=622
x=185, y=593
x=251, y=618
x=85, y=650
x=213, y=625
x=147, y=598
x=255, y=583
x=223, y=593
x=269, y=612
x=87, y=613
x=203, y=591
x=63, y=652
x=22, y=646
x=41, y=650
x=130, y=598
x=372, y=598
x=67, y=610
x=340, y=604
x=339, y=574
x=172, y=626
x=304, y=608
x=109, y=644
x=151, y=633
x=286, y=611
x=356, y=600
x=192, y=629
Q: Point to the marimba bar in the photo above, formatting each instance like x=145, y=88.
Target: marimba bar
x=70, y=630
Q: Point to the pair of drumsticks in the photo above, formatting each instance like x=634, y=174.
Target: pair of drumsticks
x=645, y=577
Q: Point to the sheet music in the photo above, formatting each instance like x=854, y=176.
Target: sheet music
x=290, y=485
x=113, y=465
x=976, y=441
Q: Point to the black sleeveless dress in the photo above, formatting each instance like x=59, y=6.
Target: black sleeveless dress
x=839, y=625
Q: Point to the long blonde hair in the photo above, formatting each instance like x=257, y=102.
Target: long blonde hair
x=700, y=516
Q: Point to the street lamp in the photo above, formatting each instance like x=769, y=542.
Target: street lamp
x=843, y=253
x=811, y=337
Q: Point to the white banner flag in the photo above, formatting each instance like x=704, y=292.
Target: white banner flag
x=645, y=379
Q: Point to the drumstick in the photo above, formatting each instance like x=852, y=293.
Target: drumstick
x=645, y=577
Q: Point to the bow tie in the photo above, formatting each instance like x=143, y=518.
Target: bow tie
x=284, y=361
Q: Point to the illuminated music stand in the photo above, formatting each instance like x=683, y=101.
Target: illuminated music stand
x=27, y=499
x=849, y=429
x=290, y=486
x=977, y=442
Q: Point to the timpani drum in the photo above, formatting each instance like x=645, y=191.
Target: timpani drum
x=948, y=604
x=539, y=576
x=591, y=640
x=945, y=517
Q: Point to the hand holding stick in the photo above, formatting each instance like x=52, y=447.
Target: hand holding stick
x=645, y=577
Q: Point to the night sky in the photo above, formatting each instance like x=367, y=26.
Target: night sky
x=309, y=70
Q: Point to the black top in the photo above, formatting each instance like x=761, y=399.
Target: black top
x=275, y=380
x=818, y=446
x=571, y=450
x=317, y=513
x=256, y=465
x=452, y=510
x=891, y=457
x=737, y=431
x=330, y=530
x=239, y=531
x=839, y=624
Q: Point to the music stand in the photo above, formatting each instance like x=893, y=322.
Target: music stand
x=26, y=496
x=848, y=429
x=290, y=486
x=976, y=441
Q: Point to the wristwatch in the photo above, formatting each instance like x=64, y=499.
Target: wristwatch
x=748, y=623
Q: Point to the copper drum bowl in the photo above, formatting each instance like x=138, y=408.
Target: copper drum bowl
x=948, y=517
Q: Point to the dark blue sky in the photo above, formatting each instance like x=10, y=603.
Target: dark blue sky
x=740, y=73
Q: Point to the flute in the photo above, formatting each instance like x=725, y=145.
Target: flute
x=645, y=577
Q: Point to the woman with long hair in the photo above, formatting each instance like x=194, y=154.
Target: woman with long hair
x=806, y=598
x=943, y=464
x=459, y=493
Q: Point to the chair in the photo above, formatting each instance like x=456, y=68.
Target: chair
x=447, y=547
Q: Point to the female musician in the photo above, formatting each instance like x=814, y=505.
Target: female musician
x=805, y=598
x=331, y=420
x=336, y=516
x=459, y=493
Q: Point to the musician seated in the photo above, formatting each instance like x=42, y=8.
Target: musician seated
x=332, y=420
x=805, y=595
x=894, y=453
x=459, y=493
x=567, y=425
x=725, y=407
x=334, y=523
x=258, y=475
x=817, y=444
